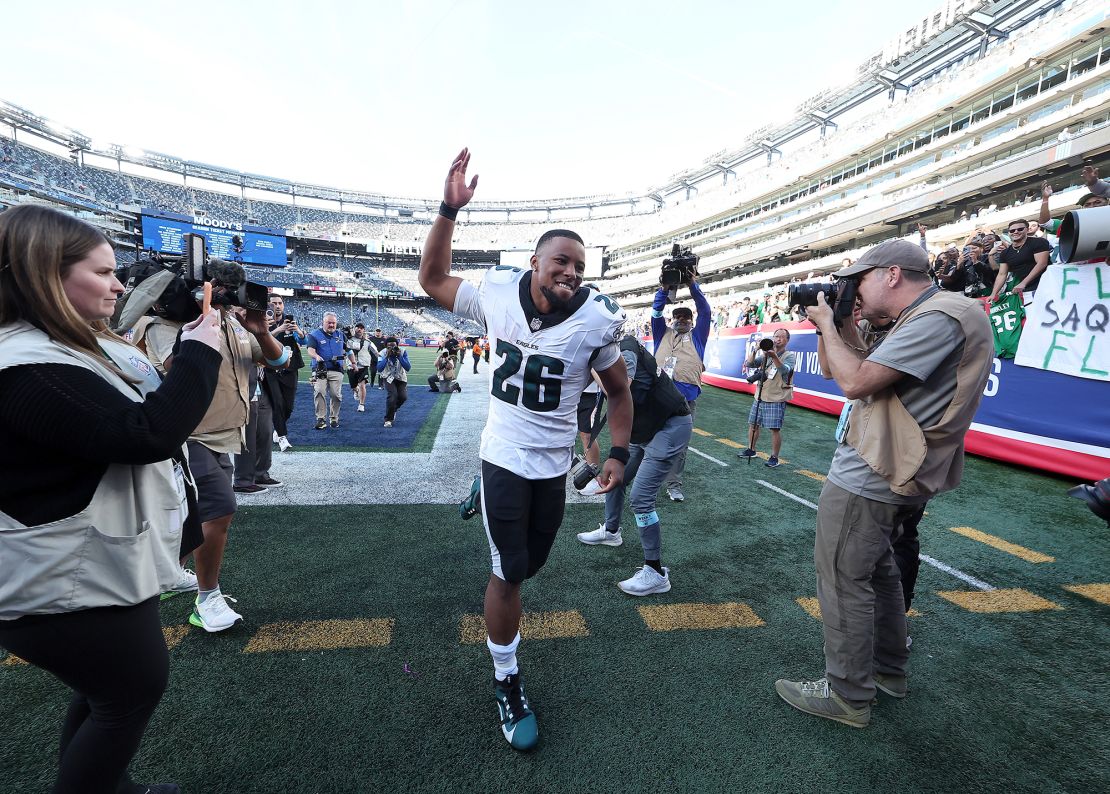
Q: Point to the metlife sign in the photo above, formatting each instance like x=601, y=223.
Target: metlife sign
x=165, y=233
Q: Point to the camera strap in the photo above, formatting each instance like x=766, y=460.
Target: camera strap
x=599, y=418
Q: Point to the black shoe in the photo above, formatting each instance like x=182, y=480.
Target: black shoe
x=248, y=489
x=335, y=423
x=321, y=424
x=269, y=482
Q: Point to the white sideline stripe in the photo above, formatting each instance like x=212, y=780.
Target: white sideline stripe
x=708, y=457
x=971, y=580
x=787, y=494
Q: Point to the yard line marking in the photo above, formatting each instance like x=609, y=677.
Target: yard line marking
x=670, y=617
x=701, y=432
x=787, y=494
x=1095, y=592
x=1010, y=600
x=320, y=635
x=811, y=474
x=971, y=580
x=533, y=626
x=1002, y=545
x=708, y=457
x=728, y=442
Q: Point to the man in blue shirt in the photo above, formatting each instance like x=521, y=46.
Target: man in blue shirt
x=680, y=350
x=326, y=346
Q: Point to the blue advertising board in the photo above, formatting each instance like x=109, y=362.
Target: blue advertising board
x=258, y=245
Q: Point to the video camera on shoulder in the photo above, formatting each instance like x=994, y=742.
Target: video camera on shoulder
x=679, y=268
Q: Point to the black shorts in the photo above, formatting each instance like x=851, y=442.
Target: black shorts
x=213, y=474
x=521, y=518
x=357, y=376
x=586, y=405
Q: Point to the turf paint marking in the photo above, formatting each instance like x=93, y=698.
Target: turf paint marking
x=811, y=474
x=1002, y=545
x=728, y=442
x=321, y=635
x=174, y=635
x=708, y=457
x=701, y=432
x=787, y=494
x=671, y=617
x=12, y=660
x=1095, y=592
x=971, y=580
x=813, y=608
x=1010, y=600
x=533, y=626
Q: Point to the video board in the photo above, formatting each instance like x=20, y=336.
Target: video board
x=258, y=245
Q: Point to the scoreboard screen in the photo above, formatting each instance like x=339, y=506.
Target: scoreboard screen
x=258, y=245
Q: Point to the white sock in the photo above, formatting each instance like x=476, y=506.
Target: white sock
x=504, y=657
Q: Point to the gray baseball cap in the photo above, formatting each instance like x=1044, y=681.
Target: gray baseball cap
x=892, y=253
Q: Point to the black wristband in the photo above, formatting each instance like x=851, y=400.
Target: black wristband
x=450, y=213
x=817, y=331
x=619, y=453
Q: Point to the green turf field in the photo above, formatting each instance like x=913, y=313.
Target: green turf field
x=356, y=669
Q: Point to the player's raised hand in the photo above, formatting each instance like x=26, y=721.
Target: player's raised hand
x=456, y=193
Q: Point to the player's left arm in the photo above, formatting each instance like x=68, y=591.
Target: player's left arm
x=614, y=380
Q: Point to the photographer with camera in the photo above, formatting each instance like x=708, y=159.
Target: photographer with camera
x=681, y=347
x=326, y=347
x=774, y=388
x=661, y=427
x=282, y=382
x=910, y=401
x=245, y=343
x=444, y=378
x=393, y=368
x=91, y=463
x=360, y=359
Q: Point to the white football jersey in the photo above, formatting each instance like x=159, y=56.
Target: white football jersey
x=541, y=365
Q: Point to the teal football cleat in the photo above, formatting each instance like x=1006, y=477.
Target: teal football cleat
x=472, y=505
x=518, y=723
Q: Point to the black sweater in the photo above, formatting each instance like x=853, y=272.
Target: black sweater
x=62, y=425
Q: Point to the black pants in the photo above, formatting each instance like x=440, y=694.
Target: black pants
x=373, y=369
x=397, y=393
x=907, y=553
x=115, y=661
x=287, y=384
x=272, y=391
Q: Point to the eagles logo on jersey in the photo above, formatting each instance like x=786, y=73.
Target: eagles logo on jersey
x=541, y=366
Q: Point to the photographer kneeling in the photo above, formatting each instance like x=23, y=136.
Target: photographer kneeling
x=661, y=426
x=94, y=487
x=773, y=390
x=444, y=377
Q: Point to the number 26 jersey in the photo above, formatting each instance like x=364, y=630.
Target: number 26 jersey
x=541, y=364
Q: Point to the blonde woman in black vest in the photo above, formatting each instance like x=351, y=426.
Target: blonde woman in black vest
x=93, y=494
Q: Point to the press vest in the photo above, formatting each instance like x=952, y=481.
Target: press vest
x=777, y=389
x=923, y=461
x=122, y=548
x=688, y=364
x=655, y=399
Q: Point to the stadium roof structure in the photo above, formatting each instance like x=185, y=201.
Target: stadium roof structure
x=886, y=72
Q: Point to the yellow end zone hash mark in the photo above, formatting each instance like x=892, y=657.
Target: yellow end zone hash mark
x=321, y=635
x=533, y=626
x=728, y=442
x=1095, y=592
x=670, y=617
x=1013, y=600
x=701, y=432
x=813, y=608
x=811, y=474
x=12, y=660
x=174, y=635
x=1003, y=545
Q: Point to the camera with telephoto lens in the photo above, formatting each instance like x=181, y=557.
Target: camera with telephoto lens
x=581, y=472
x=678, y=269
x=766, y=344
x=840, y=295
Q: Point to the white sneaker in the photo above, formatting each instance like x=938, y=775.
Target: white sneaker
x=185, y=583
x=214, y=614
x=362, y=409
x=387, y=424
x=276, y=439
x=646, y=581
x=283, y=444
x=591, y=489
x=601, y=537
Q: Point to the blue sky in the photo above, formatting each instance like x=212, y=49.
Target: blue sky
x=573, y=98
